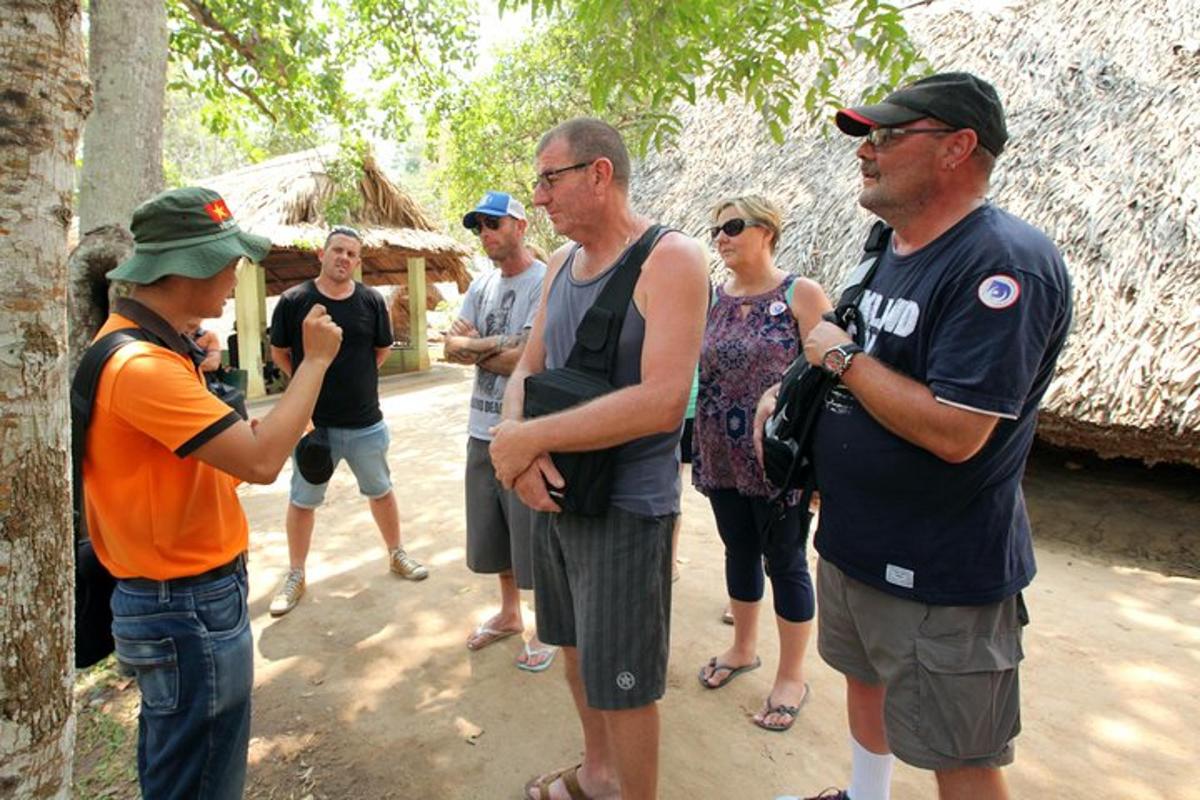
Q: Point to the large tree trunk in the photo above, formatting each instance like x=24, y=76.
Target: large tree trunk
x=44, y=97
x=89, y=295
x=122, y=145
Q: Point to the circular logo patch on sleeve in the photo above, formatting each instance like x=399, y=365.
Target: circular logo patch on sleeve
x=999, y=291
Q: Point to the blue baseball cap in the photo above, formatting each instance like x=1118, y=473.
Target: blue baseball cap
x=495, y=204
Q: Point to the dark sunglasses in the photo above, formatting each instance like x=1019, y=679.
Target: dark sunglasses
x=733, y=227
x=491, y=223
x=342, y=230
x=882, y=137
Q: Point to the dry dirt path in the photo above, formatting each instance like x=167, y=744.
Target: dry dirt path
x=366, y=689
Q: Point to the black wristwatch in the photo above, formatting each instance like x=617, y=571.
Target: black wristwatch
x=837, y=359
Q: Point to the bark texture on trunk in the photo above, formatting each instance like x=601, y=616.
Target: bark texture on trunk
x=122, y=144
x=44, y=97
x=89, y=295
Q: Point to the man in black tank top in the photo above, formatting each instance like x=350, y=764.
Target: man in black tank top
x=602, y=584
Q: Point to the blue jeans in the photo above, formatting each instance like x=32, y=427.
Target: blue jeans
x=192, y=650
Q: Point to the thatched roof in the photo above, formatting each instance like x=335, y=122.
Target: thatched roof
x=1103, y=104
x=282, y=198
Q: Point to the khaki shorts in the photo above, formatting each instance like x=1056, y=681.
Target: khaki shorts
x=952, y=697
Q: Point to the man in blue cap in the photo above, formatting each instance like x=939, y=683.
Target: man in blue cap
x=490, y=333
x=161, y=462
x=924, y=540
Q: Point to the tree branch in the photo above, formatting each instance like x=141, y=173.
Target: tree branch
x=246, y=91
x=206, y=19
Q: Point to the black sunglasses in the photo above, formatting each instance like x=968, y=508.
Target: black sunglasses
x=882, y=137
x=733, y=227
x=342, y=230
x=484, y=221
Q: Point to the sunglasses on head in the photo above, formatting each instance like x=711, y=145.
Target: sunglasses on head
x=484, y=221
x=733, y=227
x=342, y=230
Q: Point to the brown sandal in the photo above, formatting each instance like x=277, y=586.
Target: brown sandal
x=570, y=779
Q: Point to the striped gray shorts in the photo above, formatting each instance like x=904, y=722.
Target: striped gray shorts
x=603, y=586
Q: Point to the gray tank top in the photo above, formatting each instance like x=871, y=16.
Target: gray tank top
x=647, y=472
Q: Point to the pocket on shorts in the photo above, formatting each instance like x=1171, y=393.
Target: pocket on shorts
x=222, y=612
x=969, y=699
x=157, y=665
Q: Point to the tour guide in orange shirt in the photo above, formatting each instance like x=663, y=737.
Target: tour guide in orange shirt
x=163, y=457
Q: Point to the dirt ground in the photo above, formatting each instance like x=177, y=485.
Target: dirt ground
x=366, y=689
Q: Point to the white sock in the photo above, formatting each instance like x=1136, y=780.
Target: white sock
x=870, y=773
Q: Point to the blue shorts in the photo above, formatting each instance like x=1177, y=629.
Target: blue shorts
x=365, y=450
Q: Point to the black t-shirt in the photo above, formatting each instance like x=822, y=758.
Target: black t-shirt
x=979, y=316
x=350, y=394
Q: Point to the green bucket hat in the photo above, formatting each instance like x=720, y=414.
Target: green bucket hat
x=189, y=232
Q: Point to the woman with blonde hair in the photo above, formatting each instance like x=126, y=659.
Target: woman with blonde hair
x=756, y=325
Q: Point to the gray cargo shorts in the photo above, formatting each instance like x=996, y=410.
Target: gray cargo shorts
x=953, y=696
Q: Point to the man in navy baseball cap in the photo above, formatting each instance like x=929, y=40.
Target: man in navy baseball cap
x=959, y=99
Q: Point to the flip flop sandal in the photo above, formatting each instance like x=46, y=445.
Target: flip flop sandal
x=570, y=779
x=486, y=636
x=727, y=617
x=791, y=712
x=712, y=666
x=550, y=651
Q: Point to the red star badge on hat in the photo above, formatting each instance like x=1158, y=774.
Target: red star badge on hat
x=218, y=211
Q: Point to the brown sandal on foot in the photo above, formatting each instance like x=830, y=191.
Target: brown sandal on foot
x=570, y=779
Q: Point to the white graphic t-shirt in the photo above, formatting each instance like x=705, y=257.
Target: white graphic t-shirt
x=497, y=305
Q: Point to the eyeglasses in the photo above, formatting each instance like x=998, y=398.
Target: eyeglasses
x=547, y=179
x=484, y=221
x=882, y=137
x=733, y=227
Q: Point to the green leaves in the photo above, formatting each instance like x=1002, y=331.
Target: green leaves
x=304, y=64
x=652, y=53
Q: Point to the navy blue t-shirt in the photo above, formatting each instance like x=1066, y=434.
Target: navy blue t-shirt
x=979, y=316
x=350, y=393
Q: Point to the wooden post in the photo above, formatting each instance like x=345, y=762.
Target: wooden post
x=250, y=311
x=416, y=312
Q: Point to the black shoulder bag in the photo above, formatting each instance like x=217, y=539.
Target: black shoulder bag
x=586, y=375
x=93, y=583
x=788, y=434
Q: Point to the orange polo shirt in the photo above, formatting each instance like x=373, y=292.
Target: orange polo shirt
x=153, y=510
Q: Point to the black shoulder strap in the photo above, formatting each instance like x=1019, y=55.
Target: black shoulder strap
x=83, y=395
x=596, y=338
x=847, y=314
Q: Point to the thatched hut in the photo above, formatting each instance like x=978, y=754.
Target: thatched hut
x=1103, y=102
x=284, y=199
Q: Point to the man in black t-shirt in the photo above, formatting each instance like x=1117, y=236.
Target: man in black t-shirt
x=924, y=540
x=347, y=411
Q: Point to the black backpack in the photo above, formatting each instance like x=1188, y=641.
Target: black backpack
x=93, y=583
x=787, y=436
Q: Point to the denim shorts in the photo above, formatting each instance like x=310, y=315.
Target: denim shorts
x=365, y=450
x=194, y=657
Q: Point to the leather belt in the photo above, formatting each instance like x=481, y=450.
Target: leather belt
x=238, y=563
